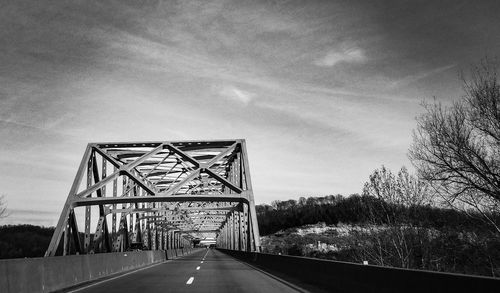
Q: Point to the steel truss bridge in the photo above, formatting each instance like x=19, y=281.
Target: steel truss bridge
x=158, y=196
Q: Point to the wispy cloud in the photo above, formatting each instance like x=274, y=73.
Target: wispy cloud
x=420, y=75
x=236, y=94
x=348, y=54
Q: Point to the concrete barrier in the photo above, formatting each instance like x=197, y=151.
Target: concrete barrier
x=55, y=273
x=174, y=253
x=171, y=254
x=178, y=252
x=335, y=276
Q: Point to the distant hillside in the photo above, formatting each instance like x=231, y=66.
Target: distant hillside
x=18, y=241
x=354, y=209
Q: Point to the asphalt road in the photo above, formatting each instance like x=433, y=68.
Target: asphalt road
x=203, y=271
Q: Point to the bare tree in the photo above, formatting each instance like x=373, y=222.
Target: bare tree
x=389, y=238
x=401, y=189
x=457, y=148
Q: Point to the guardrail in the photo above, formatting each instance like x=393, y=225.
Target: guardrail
x=336, y=276
x=49, y=274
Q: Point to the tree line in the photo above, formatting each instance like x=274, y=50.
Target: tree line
x=18, y=241
x=355, y=210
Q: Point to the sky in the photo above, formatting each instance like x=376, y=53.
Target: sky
x=324, y=92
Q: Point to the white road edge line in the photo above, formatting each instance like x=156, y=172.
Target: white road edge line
x=197, y=268
x=113, y=278
x=190, y=281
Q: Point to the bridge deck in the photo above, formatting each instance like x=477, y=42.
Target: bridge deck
x=217, y=272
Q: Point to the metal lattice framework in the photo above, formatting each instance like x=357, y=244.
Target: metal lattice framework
x=159, y=195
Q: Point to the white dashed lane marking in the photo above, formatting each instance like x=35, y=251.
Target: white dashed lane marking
x=197, y=268
x=190, y=281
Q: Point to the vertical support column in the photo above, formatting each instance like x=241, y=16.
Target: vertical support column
x=245, y=227
x=153, y=236
x=66, y=239
x=231, y=224
x=160, y=240
x=222, y=237
x=137, y=225
x=86, y=245
x=230, y=175
x=145, y=235
x=235, y=230
x=106, y=235
x=229, y=236
x=143, y=227
x=122, y=242
x=229, y=230
x=175, y=240
x=240, y=171
x=240, y=226
x=157, y=234
x=123, y=221
x=113, y=216
x=225, y=236
x=131, y=227
x=149, y=237
x=103, y=174
x=167, y=239
x=251, y=209
x=73, y=226
x=226, y=230
x=152, y=233
x=172, y=234
x=164, y=239
x=250, y=242
x=169, y=242
x=217, y=240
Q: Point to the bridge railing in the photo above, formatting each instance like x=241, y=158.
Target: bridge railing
x=335, y=276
